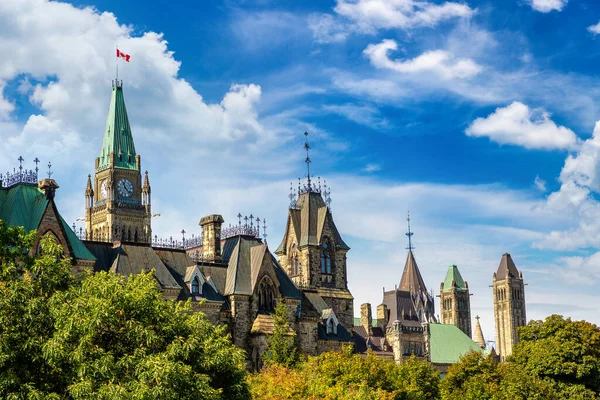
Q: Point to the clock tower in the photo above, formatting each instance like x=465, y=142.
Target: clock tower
x=117, y=202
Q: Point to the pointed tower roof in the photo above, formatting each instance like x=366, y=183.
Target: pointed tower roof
x=146, y=186
x=478, y=338
x=453, y=275
x=506, y=268
x=117, y=134
x=412, y=281
x=88, y=189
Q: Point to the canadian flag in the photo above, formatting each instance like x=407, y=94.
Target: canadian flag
x=123, y=55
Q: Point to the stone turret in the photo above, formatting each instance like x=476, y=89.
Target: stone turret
x=455, y=301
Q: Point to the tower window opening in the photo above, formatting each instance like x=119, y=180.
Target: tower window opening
x=326, y=259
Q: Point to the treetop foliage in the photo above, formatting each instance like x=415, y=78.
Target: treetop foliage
x=103, y=336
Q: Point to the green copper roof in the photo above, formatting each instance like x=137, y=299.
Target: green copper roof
x=117, y=134
x=448, y=343
x=24, y=205
x=454, y=275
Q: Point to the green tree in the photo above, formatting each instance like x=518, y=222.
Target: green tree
x=281, y=349
x=103, y=336
x=564, y=352
x=479, y=377
x=343, y=375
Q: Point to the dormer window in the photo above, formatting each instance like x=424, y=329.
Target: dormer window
x=325, y=259
x=196, y=285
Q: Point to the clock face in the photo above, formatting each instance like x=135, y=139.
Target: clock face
x=125, y=188
x=103, y=190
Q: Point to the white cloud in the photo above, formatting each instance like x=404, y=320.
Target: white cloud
x=519, y=125
x=546, y=6
x=438, y=62
x=372, y=167
x=540, y=183
x=365, y=115
x=371, y=15
x=327, y=29
x=594, y=29
x=575, y=198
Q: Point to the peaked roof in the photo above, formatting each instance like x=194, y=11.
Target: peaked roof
x=25, y=204
x=308, y=221
x=507, y=268
x=412, y=281
x=447, y=344
x=453, y=275
x=479, y=334
x=117, y=134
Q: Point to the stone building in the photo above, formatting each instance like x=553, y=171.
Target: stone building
x=509, y=305
x=230, y=274
x=455, y=301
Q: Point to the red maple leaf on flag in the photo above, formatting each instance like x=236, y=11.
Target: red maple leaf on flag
x=123, y=55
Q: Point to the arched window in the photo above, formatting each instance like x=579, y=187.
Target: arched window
x=266, y=295
x=325, y=259
x=195, y=285
x=330, y=327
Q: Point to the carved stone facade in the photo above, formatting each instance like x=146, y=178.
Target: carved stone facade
x=314, y=255
x=509, y=305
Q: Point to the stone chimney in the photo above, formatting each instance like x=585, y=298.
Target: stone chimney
x=366, y=320
x=48, y=186
x=211, y=238
x=382, y=316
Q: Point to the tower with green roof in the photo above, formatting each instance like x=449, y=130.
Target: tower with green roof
x=455, y=301
x=117, y=202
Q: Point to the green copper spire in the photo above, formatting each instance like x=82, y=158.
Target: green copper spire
x=454, y=275
x=117, y=134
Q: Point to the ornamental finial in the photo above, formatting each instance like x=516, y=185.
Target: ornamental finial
x=50, y=169
x=307, y=148
x=409, y=234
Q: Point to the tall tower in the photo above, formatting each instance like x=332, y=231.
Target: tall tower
x=313, y=252
x=455, y=301
x=509, y=305
x=118, y=206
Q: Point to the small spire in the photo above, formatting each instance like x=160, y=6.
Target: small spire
x=20, y=159
x=239, y=219
x=307, y=148
x=409, y=234
x=88, y=188
x=36, y=161
x=479, y=334
x=50, y=169
x=265, y=229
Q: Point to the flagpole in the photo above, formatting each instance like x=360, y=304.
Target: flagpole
x=117, y=64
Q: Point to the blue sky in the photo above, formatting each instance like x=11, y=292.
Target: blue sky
x=478, y=116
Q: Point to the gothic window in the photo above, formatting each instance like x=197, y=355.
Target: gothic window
x=266, y=295
x=326, y=259
x=330, y=327
x=195, y=285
